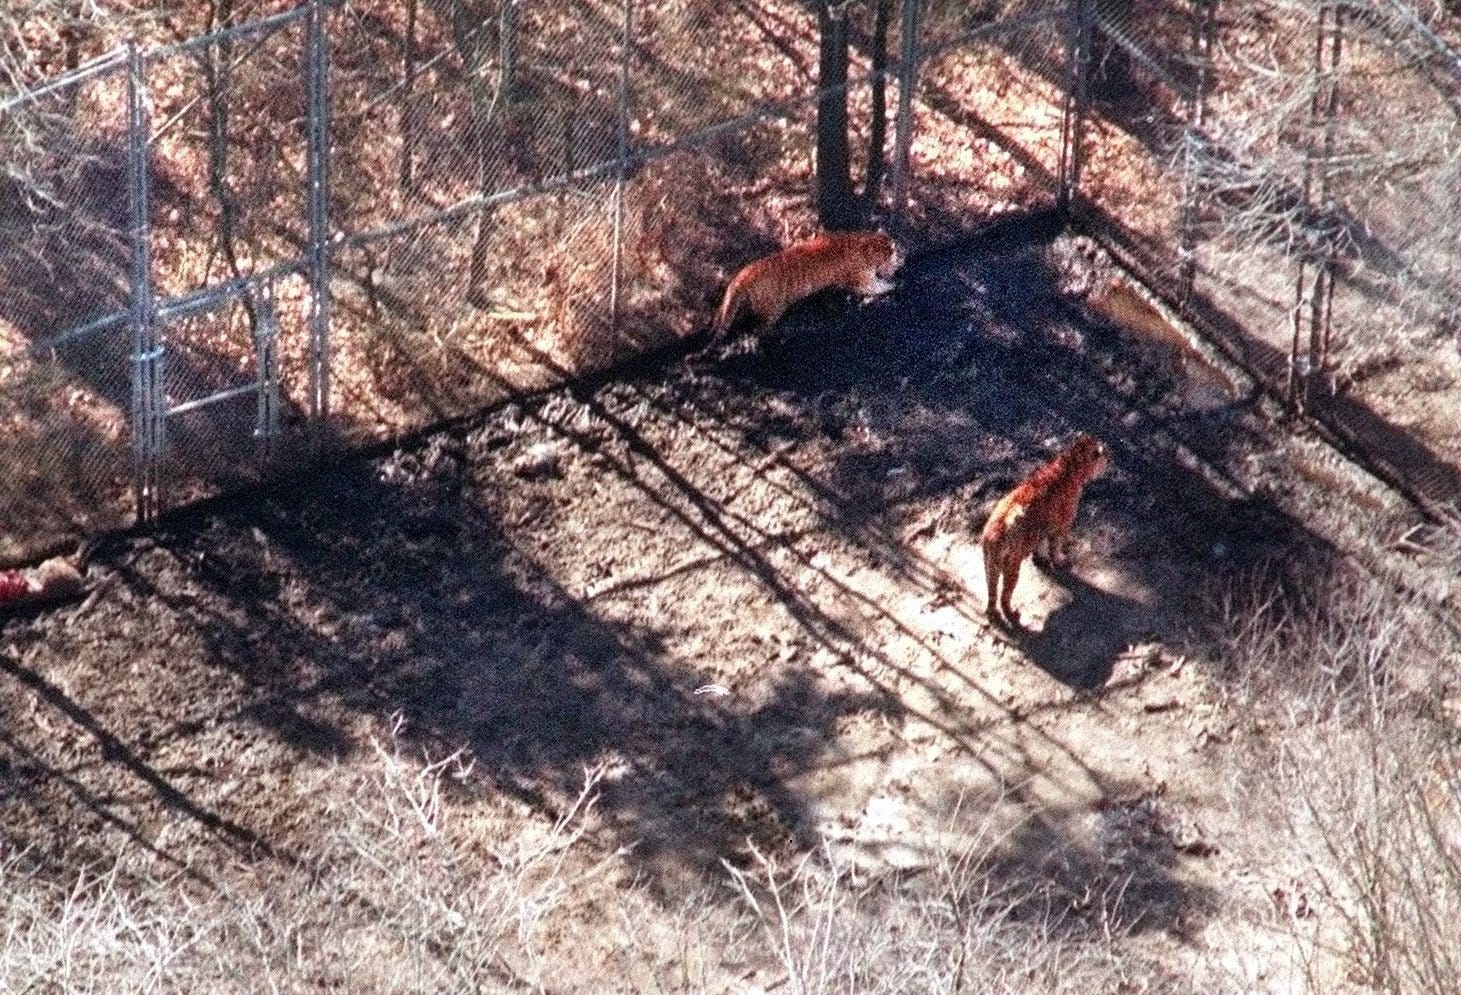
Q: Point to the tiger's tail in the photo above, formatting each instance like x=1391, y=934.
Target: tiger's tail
x=730, y=307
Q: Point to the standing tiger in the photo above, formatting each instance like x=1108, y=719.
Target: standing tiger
x=859, y=261
x=1040, y=510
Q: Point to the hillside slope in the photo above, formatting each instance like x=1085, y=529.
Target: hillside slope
x=744, y=591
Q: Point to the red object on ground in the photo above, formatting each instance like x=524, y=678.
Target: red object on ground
x=13, y=586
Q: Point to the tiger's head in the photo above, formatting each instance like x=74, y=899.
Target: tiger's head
x=877, y=251
x=1088, y=454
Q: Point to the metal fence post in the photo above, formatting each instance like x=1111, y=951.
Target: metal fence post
x=1307, y=354
x=1072, y=125
x=1204, y=19
x=148, y=398
x=903, y=128
x=1321, y=315
x=266, y=358
x=317, y=59
x=620, y=170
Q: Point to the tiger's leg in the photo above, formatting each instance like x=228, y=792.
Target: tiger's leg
x=1058, y=542
x=769, y=313
x=1011, y=577
x=1060, y=534
x=869, y=284
x=991, y=579
x=1043, y=550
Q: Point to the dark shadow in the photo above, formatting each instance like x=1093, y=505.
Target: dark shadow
x=1080, y=641
x=117, y=753
x=1127, y=881
x=958, y=383
x=403, y=597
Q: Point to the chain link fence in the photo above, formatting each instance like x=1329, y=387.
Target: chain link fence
x=65, y=268
x=991, y=117
x=345, y=221
x=1286, y=173
x=350, y=220
x=229, y=139
x=436, y=206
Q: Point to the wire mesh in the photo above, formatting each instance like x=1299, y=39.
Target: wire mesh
x=1249, y=168
x=1290, y=172
x=945, y=24
x=1384, y=300
x=989, y=115
x=228, y=188
x=487, y=268
x=522, y=192
x=218, y=436
x=519, y=192
x=723, y=97
x=227, y=156
x=64, y=374
x=1141, y=78
x=1390, y=191
x=700, y=63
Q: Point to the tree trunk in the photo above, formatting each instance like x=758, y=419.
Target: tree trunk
x=484, y=113
x=878, y=126
x=217, y=64
x=836, y=205
x=407, y=171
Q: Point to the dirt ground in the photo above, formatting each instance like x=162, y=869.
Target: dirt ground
x=750, y=584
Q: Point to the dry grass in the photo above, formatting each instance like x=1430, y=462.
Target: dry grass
x=829, y=927
x=391, y=898
x=1350, y=682
x=396, y=895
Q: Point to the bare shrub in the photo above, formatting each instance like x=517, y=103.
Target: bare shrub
x=959, y=926
x=453, y=926
x=393, y=898
x=1318, y=640
x=1380, y=811
x=1355, y=676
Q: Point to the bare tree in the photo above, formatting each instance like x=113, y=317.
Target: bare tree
x=838, y=204
x=836, y=207
x=478, y=35
x=39, y=41
x=878, y=124
x=216, y=62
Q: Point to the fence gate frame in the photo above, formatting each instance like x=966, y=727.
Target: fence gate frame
x=148, y=315
x=149, y=403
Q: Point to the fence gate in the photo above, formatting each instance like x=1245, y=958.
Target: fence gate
x=233, y=130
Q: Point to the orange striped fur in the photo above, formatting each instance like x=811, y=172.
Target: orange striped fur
x=1039, y=511
x=861, y=262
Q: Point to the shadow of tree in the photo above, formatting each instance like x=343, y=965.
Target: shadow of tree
x=422, y=583
x=950, y=387
x=373, y=599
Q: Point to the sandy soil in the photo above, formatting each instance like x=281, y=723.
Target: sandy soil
x=792, y=520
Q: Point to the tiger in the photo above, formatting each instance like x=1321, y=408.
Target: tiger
x=1039, y=511
x=860, y=261
x=1203, y=383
